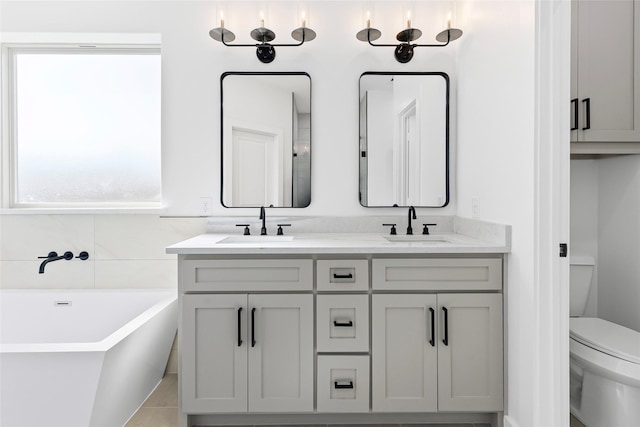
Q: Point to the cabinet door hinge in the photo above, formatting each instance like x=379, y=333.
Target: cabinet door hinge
x=563, y=250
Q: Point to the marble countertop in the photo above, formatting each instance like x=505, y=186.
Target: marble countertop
x=336, y=243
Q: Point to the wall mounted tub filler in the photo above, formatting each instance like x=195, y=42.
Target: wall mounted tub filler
x=53, y=256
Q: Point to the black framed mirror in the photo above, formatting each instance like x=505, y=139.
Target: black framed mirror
x=404, y=139
x=265, y=139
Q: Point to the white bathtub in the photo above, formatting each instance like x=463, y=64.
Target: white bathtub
x=81, y=358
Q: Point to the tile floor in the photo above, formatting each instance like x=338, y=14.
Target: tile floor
x=575, y=422
x=161, y=407
x=161, y=410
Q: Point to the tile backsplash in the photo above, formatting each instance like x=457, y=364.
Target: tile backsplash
x=125, y=251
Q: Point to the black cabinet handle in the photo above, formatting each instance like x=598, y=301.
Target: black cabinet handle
x=342, y=276
x=575, y=126
x=432, y=341
x=343, y=324
x=587, y=105
x=239, y=326
x=445, y=341
x=337, y=385
x=253, y=327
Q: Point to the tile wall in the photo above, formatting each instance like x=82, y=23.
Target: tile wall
x=125, y=251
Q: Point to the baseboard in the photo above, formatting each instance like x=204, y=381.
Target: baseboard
x=510, y=422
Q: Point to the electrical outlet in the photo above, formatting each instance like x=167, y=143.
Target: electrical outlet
x=475, y=207
x=205, y=206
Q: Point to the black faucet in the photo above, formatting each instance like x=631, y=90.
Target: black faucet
x=411, y=210
x=263, y=217
x=53, y=256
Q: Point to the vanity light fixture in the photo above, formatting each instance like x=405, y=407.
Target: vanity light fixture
x=265, y=50
x=404, y=50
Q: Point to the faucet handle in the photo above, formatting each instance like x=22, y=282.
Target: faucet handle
x=393, y=229
x=425, y=229
x=246, y=229
x=52, y=254
x=280, y=232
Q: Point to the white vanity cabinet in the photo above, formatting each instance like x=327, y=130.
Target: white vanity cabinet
x=317, y=337
x=605, y=75
x=247, y=352
x=437, y=351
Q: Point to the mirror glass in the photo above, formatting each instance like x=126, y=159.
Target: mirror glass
x=266, y=139
x=404, y=139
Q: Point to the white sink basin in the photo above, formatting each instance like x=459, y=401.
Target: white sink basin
x=255, y=239
x=417, y=238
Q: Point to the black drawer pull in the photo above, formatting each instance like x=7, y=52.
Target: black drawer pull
x=239, y=326
x=342, y=276
x=337, y=324
x=337, y=385
x=575, y=126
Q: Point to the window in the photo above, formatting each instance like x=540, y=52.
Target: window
x=84, y=126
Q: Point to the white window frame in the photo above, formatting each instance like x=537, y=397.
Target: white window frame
x=15, y=43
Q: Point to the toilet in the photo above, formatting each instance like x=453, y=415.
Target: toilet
x=604, y=360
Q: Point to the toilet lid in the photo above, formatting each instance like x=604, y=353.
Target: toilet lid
x=607, y=337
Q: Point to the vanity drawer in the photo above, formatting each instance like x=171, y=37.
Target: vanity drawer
x=343, y=275
x=437, y=274
x=342, y=323
x=247, y=275
x=343, y=383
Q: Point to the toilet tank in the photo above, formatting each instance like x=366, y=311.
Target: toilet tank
x=581, y=273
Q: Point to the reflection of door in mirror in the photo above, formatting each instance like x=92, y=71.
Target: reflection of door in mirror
x=404, y=139
x=266, y=137
x=255, y=165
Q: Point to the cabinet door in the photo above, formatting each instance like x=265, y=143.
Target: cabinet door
x=214, y=353
x=608, y=74
x=281, y=353
x=404, y=355
x=470, y=352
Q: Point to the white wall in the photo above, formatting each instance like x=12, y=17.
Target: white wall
x=496, y=165
x=584, y=220
x=619, y=240
x=605, y=201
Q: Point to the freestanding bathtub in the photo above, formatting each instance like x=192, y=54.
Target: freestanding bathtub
x=81, y=358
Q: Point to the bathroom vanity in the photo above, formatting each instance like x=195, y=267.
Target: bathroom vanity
x=334, y=328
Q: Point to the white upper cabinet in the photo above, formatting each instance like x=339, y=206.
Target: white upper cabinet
x=605, y=84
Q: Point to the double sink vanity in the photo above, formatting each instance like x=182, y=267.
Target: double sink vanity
x=349, y=320
x=326, y=327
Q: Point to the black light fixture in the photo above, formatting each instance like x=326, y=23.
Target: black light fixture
x=404, y=50
x=265, y=50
